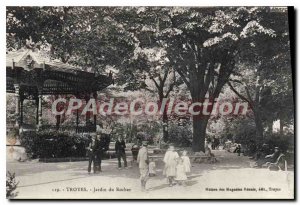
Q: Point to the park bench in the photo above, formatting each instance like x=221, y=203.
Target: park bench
x=194, y=158
x=279, y=164
x=204, y=158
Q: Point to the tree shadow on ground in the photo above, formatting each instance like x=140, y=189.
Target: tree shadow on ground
x=164, y=186
x=43, y=183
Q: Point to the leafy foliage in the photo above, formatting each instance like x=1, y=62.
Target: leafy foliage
x=11, y=185
x=244, y=47
x=180, y=136
x=46, y=144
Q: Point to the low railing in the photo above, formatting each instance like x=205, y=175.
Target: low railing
x=62, y=128
x=71, y=128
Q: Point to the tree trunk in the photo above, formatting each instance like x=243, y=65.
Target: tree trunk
x=199, y=133
x=280, y=127
x=165, y=127
x=258, y=125
x=165, y=116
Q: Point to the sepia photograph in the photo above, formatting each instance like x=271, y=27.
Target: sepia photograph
x=150, y=102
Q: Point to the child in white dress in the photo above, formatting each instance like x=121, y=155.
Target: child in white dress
x=180, y=172
x=152, y=168
x=186, y=162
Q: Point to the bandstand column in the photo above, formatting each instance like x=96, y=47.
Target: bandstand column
x=37, y=109
x=87, y=116
x=21, y=110
x=95, y=115
x=17, y=98
x=40, y=96
x=57, y=116
x=77, y=115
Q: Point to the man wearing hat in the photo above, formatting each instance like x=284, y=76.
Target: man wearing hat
x=91, y=151
x=100, y=149
x=120, y=151
x=142, y=160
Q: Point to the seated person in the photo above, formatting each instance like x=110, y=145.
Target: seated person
x=269, y=158
x=238, y=149
x=273, y=157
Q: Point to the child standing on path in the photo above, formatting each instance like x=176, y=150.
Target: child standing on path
x=180, y=172
x=152, y=168
x=170, y=161
x=186, y=162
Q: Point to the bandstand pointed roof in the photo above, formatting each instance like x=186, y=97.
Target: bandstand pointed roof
x=35, y=72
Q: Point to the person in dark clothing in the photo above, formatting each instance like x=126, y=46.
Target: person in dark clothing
x=91, y=150
x=217, y=143
x=213, y=143
x=238, y=149
x=101, y=148
x=120, y=152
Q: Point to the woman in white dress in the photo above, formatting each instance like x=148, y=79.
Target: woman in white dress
x=170, y=161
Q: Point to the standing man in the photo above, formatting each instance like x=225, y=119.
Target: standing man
x=101, y=149
x=142, y=160
x=91, y=152
x=120, y=151
x=97, y=155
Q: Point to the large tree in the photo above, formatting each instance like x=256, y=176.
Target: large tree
x=203, y=46
x=265, y=80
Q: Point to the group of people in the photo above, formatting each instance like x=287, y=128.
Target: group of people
x=96, y=148
x=176, y=167
x=262, y=154
x=98, y=145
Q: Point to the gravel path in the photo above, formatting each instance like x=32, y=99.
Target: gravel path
x=231, y=177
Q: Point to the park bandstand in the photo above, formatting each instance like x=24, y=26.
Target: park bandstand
x=30, y=75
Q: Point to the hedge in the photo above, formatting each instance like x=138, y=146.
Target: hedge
x=53, y=144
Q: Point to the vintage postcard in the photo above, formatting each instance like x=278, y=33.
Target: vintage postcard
x=150, y=102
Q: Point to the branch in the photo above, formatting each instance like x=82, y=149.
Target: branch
x=150, y=90
x=195, y=54
x=183, y=78
x=172, y=85
x=156, y=84
x=165, y=76
x=248, y=93
x=208, y=77
x=237, y=93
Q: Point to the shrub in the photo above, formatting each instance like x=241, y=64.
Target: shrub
x=180, y=136
x=11, y=185
x=284, y=142
x=53, y=144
